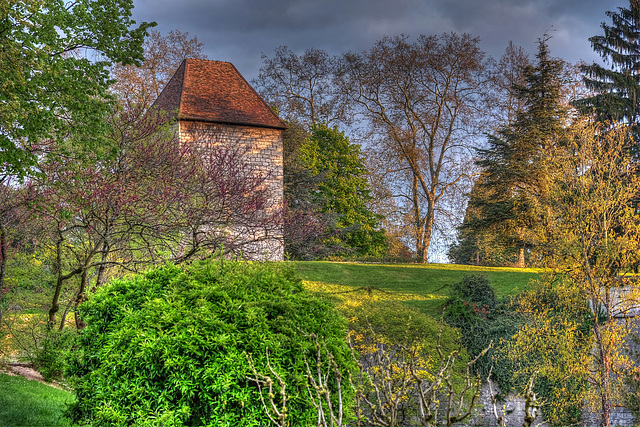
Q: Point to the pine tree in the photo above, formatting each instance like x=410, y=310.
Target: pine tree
x=516, y=172
x=617, y=88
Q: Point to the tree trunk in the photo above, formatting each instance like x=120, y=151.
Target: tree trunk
x=428, y=226
x=3, y=255
x=423, y=240
x=63, y=320
x=417, y=219
x=605, y=387
x=57, y=267
x=55, y=301
x=605, y=393
x=102, y=267
x=521, y=263
x=80, y=323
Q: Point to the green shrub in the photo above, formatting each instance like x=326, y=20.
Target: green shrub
x=402, y=325
x=474, y=309
x=170, y=347
x=394, y=342
x=51, y=357
x=475, y=288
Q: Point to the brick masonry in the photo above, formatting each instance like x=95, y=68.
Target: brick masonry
x=261, y=149
x=214, y=106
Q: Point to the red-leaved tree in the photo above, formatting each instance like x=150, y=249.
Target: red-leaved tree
x=149, y=199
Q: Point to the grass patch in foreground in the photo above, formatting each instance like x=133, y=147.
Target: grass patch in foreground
x=25, y=402
x=422, y=286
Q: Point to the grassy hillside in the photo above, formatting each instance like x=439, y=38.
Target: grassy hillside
x=425, y=286
x=28, y=403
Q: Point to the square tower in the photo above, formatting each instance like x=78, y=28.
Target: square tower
x=214, y=106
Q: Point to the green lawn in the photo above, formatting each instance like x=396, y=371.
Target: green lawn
x=29, y=403
x=425, y=286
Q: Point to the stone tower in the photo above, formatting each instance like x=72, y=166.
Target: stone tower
x=213, y=105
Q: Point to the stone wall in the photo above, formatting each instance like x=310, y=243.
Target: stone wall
x=261, y=149
x=512, y=409
x=620, y=417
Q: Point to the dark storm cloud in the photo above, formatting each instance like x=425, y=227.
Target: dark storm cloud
x=241, y=30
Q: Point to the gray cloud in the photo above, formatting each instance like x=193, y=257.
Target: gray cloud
x=240, y=30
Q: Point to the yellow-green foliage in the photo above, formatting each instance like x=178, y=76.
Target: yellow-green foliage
x=594, y=241
x=174, y=343
x=401, y=351
x=554, y=344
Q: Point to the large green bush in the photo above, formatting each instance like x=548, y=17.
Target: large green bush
x=170, y=347
x=482, y=320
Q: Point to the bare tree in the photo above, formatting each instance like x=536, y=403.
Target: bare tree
x=423, y=102
x=301, y=86
x=154, y=200
x=507, y=75
x=163, y=55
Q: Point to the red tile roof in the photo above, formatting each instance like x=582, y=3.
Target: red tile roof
x=214, y=91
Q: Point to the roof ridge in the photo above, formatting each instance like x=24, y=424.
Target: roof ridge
x=258, y=95
x=207, y=60
x=184, y=75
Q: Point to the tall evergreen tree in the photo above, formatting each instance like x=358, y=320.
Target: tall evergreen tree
x=480, y=246
x=516, y=170
x=307, y=228
x=343, y=190
x=616, y=88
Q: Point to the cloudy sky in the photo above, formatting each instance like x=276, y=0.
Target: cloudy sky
x=239, y=31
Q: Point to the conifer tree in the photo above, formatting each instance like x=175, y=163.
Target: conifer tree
x=617, y=87
x=343, y=190
x=480, y=246
x=516, y=171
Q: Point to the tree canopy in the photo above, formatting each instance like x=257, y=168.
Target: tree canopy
x=301, y=86
x=163, y=54
x=54, y=59
x=421, y=102
x=616, y=88
x=326, y=186
x=344, y=189
x=515, y=166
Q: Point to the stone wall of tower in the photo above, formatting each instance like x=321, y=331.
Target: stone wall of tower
x=261, y=148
